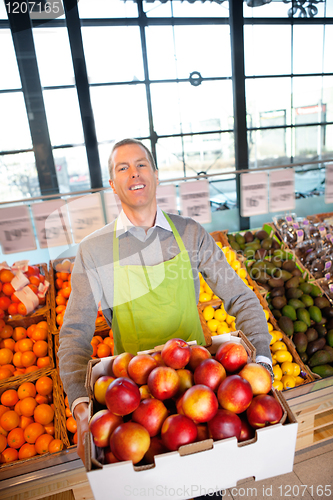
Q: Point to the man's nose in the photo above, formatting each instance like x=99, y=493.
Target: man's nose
x=134, y=171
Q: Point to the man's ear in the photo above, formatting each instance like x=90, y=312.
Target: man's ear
x=157, y=179
x=112, y=186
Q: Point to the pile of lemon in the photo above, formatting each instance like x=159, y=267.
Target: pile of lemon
x=218, y=320
x=286, y=371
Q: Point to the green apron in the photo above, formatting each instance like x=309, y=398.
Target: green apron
x=153, y=304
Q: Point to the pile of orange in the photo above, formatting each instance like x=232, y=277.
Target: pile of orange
x=71, y=425
x=23, y=350
x=27, y=421
x=102, y=348
x=9, y=303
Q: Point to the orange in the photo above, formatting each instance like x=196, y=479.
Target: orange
x=6, y=276
x=14, y=299
x=103, y=350
x=75, y=438
x=9, y=397
x=60, y=319
x=5, y=373
x=26, y=389
x=3, y=443
x=40, y=348
x=44, y=386
x=15, y=438
x=10, y=367
x=3, y=410
x=27, y=451
x=9, y=455
x=108, y=341
x=58, y=283
x=66, y=291
x=33, y=288
x=33, y=431
x=41, y=399
x=42, y=443
x=43, y=324
x=27, y=406
x=19, y=333
x=49, y=429
x=6, y=331
x=39, y=334
x=17, y=407
x=68, y=412
x=28, y=358
x=55, y=445
x=66, y=401
x=10, y=420
x=94, y=350
x=43, y=362
x=21, y=309
x=31, y=368
x=19, y=371
x=43, y=414
x=8, y=343
x=25, y=345
x=17, y=359
x=60, y=300
x=8, y=289
x=3, y=432
x=63, y=276
x=4, y=302
x=25, y=421
x=12, y=309
x=95, y=341
x=30, y=330
x=6, y=356
x=60, y=309
x=34, y=280
x=71, y=425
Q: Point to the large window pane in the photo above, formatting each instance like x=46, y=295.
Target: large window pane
x=72, y=169
x=120, y=111
x=266, y=100
x=307, y=99
x=63, y=116
x=14, y=125
x=328, y=97
x=198, y=9
x=169, y=154
x=107, y=8
x=160, y=47
x=308, y=142
x=269, y=10
x=209, y=153
x=269, y=147
x=9, y=74
x=174, y=109
x=18, y=177
x=53, y=56
x=327, y=150
x=267, y=50
x=308, y=49
x=113, y=54
x=328, y=59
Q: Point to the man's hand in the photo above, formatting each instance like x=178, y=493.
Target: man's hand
x=81, y=415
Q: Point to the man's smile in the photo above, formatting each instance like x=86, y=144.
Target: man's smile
x=137, y=186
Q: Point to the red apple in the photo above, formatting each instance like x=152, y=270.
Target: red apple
x=211, y=373
x=263, y=411
x=120, y=364
x=109, y=457
x=144, y=392
x=102, y=425
x=258, y=377
x=199, y=403
x=176, y=353
x=224, y=425
x=139, y=368
x=202, y=432
x=232, y=356
x=130, y=441
x=156, y=448
x=198, y=354
x=150, y=413
x=178, y=430
x=100, y=386
x=122, y=396
x=247, y=432
x=235, y=394
x=185, y=380
x=158, y=358
x=163, y=382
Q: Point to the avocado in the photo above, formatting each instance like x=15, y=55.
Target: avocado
x=304, y=357
x=261, y=235
x=321, y=302
x=297, y=272
x=330, y=350
x=276, y=313
x=249, y=252
x=269, y=268
x=231, y=237
x=320, y=329
x=294, y=293
x=315, y=292
x=285, y=275
x=286, y=325
x=262, y=276
x=300, y=326
x=303, y=315
x=315, y=346
x=276, y=282
x=248, y=236
x=234, y=245
x=320, y=357
x=276, y=261
x=327, y=312
x=260, y=254
x=240, y=239
x=311, y=334
x=275, y=244
x=301, y=342
x=290, y=312
x=295, y=303
x=307, y=300
x=292, y=282
x=323, y=371
x=329, y=338
x=277, y=292
x=305, y=287
x=279, y=302
x=267, y=243
x=289, y=265
x=315, y=313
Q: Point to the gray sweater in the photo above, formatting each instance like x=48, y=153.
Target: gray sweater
x=92, y=282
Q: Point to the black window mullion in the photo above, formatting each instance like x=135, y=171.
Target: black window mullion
x=21, y=30
x=82, y=87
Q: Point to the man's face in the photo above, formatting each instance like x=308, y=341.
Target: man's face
x=134, y=179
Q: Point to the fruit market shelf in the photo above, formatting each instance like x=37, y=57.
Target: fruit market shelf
x=312, y=404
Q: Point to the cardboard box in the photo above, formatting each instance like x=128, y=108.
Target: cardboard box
x=198, y=468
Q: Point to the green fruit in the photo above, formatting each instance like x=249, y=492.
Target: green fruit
x=292, y=282
x=240, y=239
x=295, y=303
x=303, y=315
x=306, y=287
x=234, y=245
x=320, y=357
x=315, y=346
x=301, y=342
x=321, y=302
x=294, y=293
x=307, y=300
x=315, y=292
x=279, y=302
x=329, y=338
x=289, y=265
x=286, y=325
x=267, y=243
x=290, y=312
x=284, y=275
x=277, y=313
x=323, y=371
x=315, y=314
x=311, y=334
x=300, y=326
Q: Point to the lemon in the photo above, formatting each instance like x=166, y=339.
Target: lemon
x=225, y=250
x=274, y=362
x=213, y=324
x=278, y=335
x=266, y=313
x=288, y=381
x=233, y=326
x=270, y=327
x=278, y=346
x=208, y=289
x=204, y=297
x=297, y=370
x=219, y=244
x=202, y=290
x=215, y=297
x=220, y=315
x=273, y=339
x=277, y=372
x=223, y=328
x=282, y=356
x=231, y=255
x=299, y=380
x=208, y=313
x=287, y=368
x=278, y=385
x=230, y=319
x=245, y=281
x=241, y=273
x=235, y=265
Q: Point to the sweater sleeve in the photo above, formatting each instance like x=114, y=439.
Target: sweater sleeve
x=239, y=300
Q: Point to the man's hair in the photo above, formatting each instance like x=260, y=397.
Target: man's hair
x=125, y=142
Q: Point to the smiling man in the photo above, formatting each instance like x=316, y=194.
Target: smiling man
x=144, y=267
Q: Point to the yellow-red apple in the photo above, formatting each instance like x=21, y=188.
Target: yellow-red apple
x=120, y=364
x=235, y=394
x=224, y=424
x=100, y=386
x=263, y=411
x=101, y=425
x=199, y=403
x=130, y=441
x=176, y=353
x=211, y=373
x=178, y=430
x=122, y=396
x=163, y=382
x=258, y=377
x=139, y=368
x=232, y=356
x=150, y=413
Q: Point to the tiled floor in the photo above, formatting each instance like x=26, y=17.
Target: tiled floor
x=312, y=478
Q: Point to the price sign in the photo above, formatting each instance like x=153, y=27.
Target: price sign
x=329, y=184
x=167, y=198
x=52, y=223
x=254, y=194
x=281, y=190
x=112, y=205
x=16, y=232
x=86, y=215
x=194, y=197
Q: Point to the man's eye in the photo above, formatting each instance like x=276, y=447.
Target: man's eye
x=123, y=168
x=141, y=165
